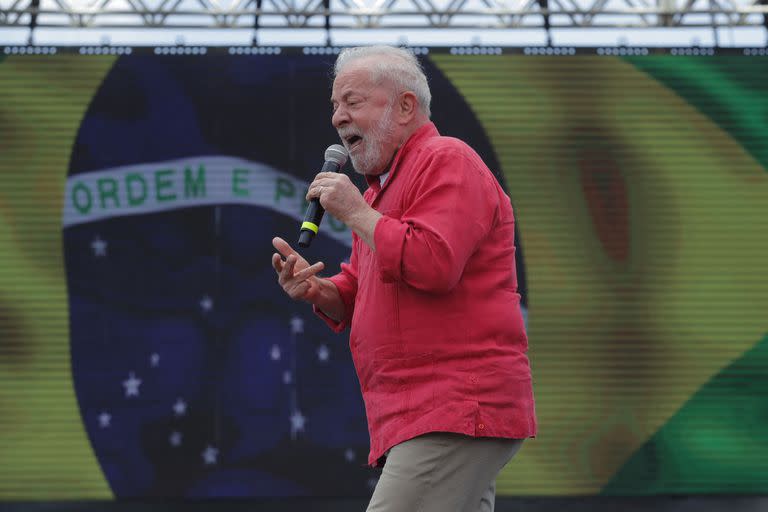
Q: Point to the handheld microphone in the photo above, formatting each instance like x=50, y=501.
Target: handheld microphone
x=335, y=158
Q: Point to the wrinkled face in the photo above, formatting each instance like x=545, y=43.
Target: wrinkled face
x=363, y=117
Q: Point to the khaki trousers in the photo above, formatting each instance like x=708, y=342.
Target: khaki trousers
x=442, y=472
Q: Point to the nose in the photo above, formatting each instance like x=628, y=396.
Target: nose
x=339, y=117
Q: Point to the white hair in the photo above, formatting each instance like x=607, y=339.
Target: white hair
x=397, y=65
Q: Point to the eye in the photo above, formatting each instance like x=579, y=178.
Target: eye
x=354, y=101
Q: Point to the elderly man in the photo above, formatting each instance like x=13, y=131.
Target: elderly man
x=430, y=292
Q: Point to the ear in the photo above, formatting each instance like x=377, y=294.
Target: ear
x=407, y=107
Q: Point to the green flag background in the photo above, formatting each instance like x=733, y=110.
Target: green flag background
x=643, y=213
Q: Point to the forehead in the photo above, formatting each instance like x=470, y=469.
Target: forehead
x=354, y=78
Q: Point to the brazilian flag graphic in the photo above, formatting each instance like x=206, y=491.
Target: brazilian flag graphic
x=640, y=190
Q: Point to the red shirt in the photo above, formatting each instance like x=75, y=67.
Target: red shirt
x=437, y=336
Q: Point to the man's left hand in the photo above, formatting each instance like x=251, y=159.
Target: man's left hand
x=338, y=195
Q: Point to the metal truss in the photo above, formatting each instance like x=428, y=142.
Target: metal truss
x=378, y=14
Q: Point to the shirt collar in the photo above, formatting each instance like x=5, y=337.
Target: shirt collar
x=424, y=132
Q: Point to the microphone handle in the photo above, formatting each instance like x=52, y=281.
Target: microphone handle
x=315, y=211
x=311, y=224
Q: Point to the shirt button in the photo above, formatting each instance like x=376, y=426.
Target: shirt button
x=481, y=426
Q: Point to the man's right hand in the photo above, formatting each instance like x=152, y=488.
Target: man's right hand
x=297, y=277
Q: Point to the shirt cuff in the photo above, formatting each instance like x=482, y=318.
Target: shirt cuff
x=346, y=294
x=335, y=325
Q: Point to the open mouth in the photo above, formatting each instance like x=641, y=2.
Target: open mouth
x=353, y=141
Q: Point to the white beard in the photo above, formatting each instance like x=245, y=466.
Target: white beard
x=370, y=159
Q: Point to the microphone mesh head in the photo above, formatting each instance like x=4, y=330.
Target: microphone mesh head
x=337, y=153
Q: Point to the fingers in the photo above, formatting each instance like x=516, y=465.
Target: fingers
x=295, y=283
x=286, y=273
x=327, y=182
x=313, y=193
x=299, y=284
x=310, y=271
x=283, y=247
x=277, y=262
x=323, y=182
x=315, y=190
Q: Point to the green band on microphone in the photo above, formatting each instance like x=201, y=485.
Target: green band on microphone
x=309, y=226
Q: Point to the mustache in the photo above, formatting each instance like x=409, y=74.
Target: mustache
x=347, y=132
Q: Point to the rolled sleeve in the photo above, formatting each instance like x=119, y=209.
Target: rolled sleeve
x=453, y=206
x=346, y=284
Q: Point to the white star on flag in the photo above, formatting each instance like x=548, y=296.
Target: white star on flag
x=175, y=438
x=287, y=378
x=297, y=422
x=349, y=454
x=297, y=325
x=104, y=419
x=275, y=353
x=154, y=360
x=322, y=353
x=131, y=385
x=210, y=455
x=99, y=247
x=206, y=303
x=180, y=407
